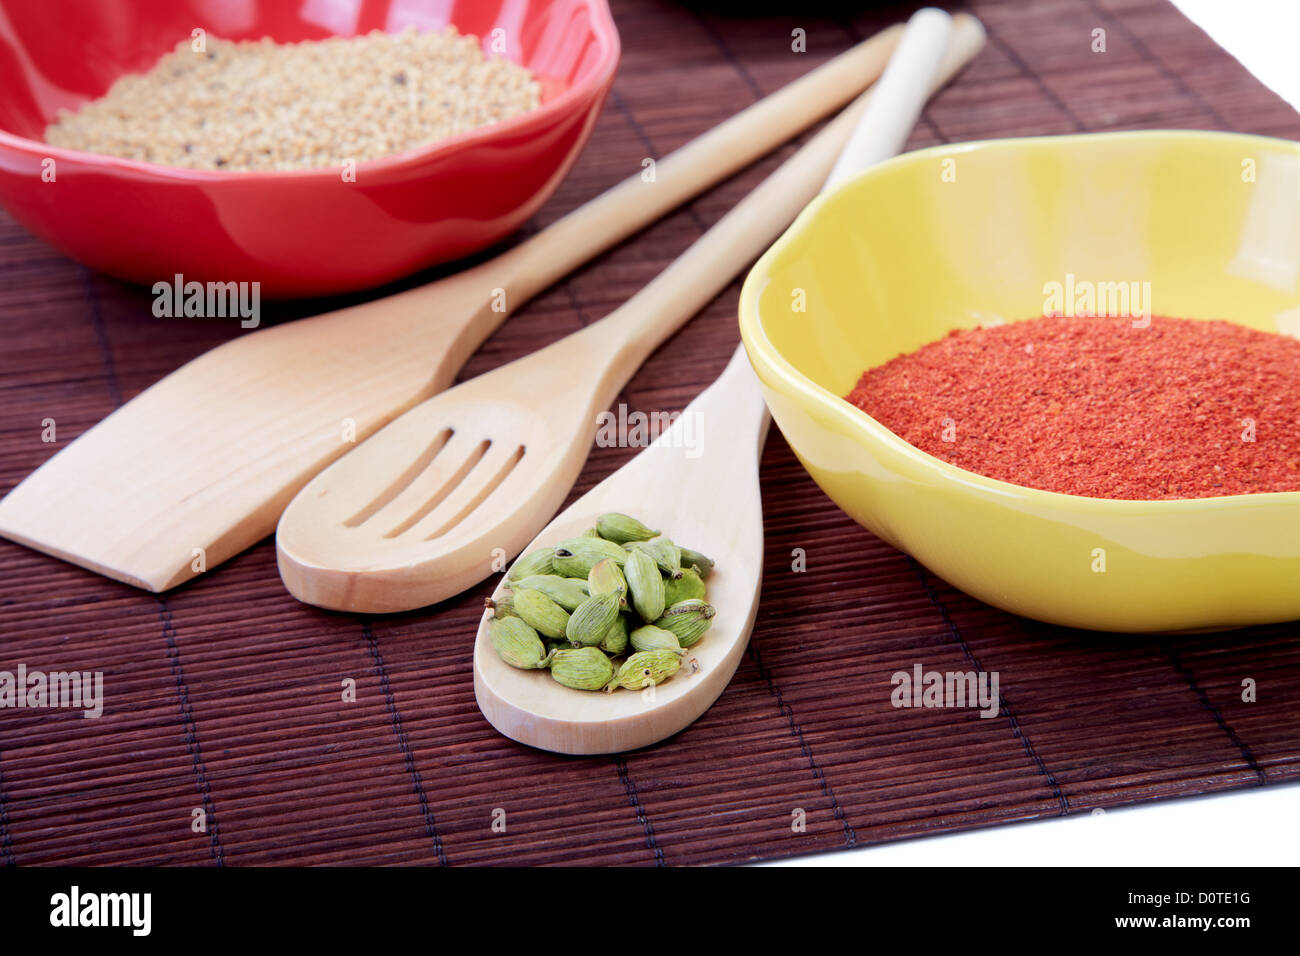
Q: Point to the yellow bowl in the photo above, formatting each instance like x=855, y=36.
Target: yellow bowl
x=959, y=236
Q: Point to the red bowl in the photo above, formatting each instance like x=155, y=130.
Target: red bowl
x=297, y=232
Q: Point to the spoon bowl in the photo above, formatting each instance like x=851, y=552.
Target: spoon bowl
x=721, y=516
x=440, y=495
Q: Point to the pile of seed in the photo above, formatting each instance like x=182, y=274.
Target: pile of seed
x=258, y=105
x=1101, y=408
x=622, y=590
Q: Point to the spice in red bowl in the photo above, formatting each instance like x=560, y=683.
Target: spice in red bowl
x=1102, y=408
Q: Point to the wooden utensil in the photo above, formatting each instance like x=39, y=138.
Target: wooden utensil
x=704, y=495
x=710, y=502
x=199, y=466
x=436, y=500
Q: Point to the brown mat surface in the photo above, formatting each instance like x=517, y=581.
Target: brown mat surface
x=225, y=694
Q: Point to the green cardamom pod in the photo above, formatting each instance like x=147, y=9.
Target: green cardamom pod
x=541, y=612
x=615, y=639
x=666, y=554
x=689, y=586
x=540, y=561
x=652, y=638
x=589, y=623
x=688, y=620
x=591, y=533
x=518, y=644
x=502, y=606
x=645, y=585
x=606, y=578
x=582, y=668
x=642, y=669
x=700, y=562
x=575, y=557
x=568, y=593
x=621, y=529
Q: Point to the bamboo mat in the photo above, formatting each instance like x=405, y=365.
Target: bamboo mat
x=224, y=696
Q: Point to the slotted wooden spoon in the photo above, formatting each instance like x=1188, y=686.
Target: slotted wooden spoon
x=199, y=466
x=436, y=500
x=704, y=495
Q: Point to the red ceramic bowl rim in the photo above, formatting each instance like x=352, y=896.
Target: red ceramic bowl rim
x=603, y=29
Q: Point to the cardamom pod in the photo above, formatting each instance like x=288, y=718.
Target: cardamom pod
x=575, y=557
x=652, y=638
x=541, y=612
x=589, y=623
x=540, y=561
x=518, y=644
x=582, y=668
x=615, y=639
x=606, y=578
x=621, y=529
x=688, y=620
x=645, y=585
x=666, y=554
x=642, y=669
x=568, y=593
x=689, y=586
x=503, y=606
x=700, y=562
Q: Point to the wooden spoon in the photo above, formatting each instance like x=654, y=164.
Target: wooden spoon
x=703, y=494
x=709, y=501
x=199, y=466
x=434, y=502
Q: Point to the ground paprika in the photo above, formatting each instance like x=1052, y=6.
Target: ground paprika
x=1099, y=407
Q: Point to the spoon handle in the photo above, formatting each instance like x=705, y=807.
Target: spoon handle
x=654, y=190
x=630, y=333
x=898, y=98
x=734, y=407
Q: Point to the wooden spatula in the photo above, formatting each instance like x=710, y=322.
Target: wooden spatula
x=434, y=500
x=200, y=466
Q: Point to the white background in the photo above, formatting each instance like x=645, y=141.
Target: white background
x=1262, y=34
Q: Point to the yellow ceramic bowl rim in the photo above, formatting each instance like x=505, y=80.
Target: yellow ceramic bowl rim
x=767, y=358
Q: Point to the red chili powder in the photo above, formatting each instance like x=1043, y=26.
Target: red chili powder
x=1095, y=407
